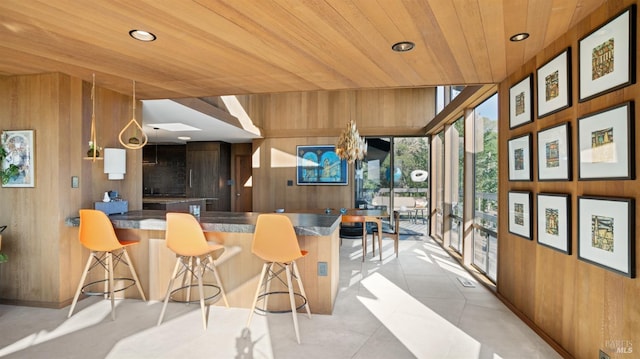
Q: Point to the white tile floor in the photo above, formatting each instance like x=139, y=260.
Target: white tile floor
x=413, y=306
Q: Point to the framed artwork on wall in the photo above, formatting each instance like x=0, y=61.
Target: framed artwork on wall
x=520, y=213
x=554, y=221
x=606, y=60
x=606, y=148
x=554, y=153
x=606, y=235
x=554, y=84
x=19, y=163
x=520, y=102
x=520, y=158
x=320, y=165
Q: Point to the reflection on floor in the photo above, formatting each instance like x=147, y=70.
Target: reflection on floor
x=414, y=306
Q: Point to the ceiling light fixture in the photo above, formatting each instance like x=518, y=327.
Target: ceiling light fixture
x=350, y=145
x=134, y=143
x=142, y=35
x=403, y=46
x=519, y=37
x=184, y=138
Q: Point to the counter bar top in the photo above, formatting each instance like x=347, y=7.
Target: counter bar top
x=170, y=200
x=305, y=224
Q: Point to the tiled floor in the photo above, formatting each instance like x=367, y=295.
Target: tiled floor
x=413, y=306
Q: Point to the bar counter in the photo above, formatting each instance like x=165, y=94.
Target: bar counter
x=239, y=268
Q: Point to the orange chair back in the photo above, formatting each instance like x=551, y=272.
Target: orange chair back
x=96, y=231
x=353, y=219
x=275, y=239
x=184, y=235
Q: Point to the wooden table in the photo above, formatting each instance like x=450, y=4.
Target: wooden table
x=370, y=215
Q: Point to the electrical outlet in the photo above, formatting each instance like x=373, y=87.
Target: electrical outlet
x=322, y=269
x=603, y=355
x=289, y=183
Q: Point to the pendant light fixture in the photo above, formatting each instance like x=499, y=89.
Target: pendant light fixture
x=133, y=142
x=350, y=145
x=94, y=151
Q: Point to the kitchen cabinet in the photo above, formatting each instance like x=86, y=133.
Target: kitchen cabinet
x=208, y=173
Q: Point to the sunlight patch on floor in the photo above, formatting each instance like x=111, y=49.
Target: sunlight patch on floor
x=425, y=333
x=82, y=318
x=226, y=336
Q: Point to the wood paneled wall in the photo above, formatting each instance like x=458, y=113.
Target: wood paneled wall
x=317, y=118
x=583, y=307
x=45, y=257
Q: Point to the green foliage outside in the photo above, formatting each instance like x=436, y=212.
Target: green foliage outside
x=410, y=153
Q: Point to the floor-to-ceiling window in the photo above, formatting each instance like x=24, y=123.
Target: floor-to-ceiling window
x=485, y=223
x=437, y=146
x=456, y=146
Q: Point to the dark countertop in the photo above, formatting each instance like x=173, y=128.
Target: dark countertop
x=305, y=224
x=171, y=200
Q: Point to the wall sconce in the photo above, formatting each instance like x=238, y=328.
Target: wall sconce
x=115, y=163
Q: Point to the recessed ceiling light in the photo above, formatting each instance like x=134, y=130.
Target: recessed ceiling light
x=519, y=37
x=142, y=35
x=184, y=138
x=403, y=46
x=174, y=127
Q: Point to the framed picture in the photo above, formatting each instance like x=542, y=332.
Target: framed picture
x=554, y=153
x=607, y=56
x=320, y=165
x=554, y=221
x=606, y=235
x=20, y=152
x=605, y=144
x=520, y=158
x=520, y=213
x=520, y=102
x=554, y=84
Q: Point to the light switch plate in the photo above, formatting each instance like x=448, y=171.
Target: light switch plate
x=75, y=182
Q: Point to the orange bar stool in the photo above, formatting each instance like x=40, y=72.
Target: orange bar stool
x=185, y=238
x=97, y=234
x=275, y=242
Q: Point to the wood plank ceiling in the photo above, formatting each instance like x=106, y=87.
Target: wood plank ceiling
x=230, y=47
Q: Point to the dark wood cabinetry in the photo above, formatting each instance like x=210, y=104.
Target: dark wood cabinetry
x=208, y=173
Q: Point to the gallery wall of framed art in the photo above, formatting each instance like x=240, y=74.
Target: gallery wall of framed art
x=580, y=249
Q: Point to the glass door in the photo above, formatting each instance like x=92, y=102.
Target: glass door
x=373, y=175
x=394, y=176
x=410, y=180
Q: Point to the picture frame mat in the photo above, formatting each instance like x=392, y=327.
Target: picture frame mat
x=520, y=222
x=560, y=202
x=520, y=147
x=561, y=64
x=561, y=136
x=593, y=163
x=621, y=29
x=621, y=210
x=523, y=88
